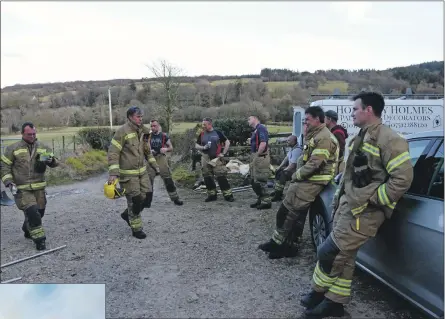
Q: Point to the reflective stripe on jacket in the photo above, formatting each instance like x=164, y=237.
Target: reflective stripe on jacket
x=18, y=165
x=320, y=156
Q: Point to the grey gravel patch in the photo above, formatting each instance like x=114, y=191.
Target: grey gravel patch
x=199, y=260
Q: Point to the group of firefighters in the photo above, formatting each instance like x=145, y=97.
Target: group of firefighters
x=377, y=172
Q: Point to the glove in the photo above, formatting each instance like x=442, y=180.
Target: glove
x=278, y=171
x=362, y=175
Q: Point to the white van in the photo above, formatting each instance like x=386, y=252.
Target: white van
x=404, y=116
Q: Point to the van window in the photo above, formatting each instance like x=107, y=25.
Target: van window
x=416, y=149
x=436, y=188
x=422, y=171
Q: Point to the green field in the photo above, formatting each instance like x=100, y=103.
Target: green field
x=56, y=135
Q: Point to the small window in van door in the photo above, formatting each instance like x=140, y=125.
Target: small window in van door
x=416, y=149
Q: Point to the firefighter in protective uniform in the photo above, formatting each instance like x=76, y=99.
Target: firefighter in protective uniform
x=378, y=172
x=160, y=144
x=23, y=167
x=210, y=142
x=320, y=156
x=259, y=163
x=127, y=154
x=286, y=169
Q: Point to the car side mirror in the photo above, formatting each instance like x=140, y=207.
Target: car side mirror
x=338, y=178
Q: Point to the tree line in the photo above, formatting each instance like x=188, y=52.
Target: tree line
x=172, y=95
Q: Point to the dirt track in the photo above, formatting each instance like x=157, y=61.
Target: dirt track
x=199, y=260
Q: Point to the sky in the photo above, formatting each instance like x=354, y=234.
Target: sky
x=68, y=41
x=51, y=301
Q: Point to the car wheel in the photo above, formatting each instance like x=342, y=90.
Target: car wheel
x=319, y=228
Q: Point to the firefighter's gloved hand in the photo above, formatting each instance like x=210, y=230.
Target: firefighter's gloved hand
x=362, y=175
x=278, y=171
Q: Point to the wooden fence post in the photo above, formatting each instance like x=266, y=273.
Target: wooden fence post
x=74, y=143
x=53, y=147
x=63, y=143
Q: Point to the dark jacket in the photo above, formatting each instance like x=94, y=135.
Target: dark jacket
x=341, y=134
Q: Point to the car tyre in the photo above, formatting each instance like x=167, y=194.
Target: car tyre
x=319, y=226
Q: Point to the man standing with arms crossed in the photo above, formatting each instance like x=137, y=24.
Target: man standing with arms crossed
x=259, y=163
x=23, y=167
x=160, y=145
x=340, y=133
x=320, y=155
x=211, y=142
x=126, y=159
x=378, y=172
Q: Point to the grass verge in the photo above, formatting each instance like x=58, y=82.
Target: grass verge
x=77, y=167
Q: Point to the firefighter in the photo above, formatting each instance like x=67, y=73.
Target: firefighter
x=23, y=167
x=160, y=145
x=259, y=163
x=126, y=159
x=287, y=167
x=340, y=133
x=196, y=160
x=211, y=142
x=378, y=172
x=320, y=155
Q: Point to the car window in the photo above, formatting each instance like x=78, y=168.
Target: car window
x=436, y=188
x=416, y=148
x=422, y=172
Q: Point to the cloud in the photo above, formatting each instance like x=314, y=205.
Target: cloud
x=355, y=12
x=67, y=41
x=48, y=301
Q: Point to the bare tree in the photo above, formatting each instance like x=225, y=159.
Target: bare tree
x=169, y=77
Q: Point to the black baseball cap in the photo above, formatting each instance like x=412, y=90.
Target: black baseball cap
x=331, y=114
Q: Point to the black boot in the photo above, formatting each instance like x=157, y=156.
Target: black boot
x=276, y=196
x=229, y=198
x=139, y=234
x=268, y=246
x=211, y=198
x=327, y=308
x=40, y=244
x=255, y=205
x=148, y=200
x=25, y=231
x=282, y=251
x=178, y=202
x=312, y=299
x=264, y=206
x=124, y=216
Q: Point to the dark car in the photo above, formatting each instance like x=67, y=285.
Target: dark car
x=407, y=253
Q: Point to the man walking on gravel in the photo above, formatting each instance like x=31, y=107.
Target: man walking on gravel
x=378, y=172
x=214, y=145
x=23, y=167
x=320, y=155
x=160, y=145
x=126, y=159
x=286, y=169
x=259, y=163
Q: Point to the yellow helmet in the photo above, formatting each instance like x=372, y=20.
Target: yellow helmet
x=113, y=192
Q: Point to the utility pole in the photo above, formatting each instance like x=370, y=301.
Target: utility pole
x=109, y=105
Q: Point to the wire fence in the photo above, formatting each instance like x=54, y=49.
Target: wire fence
x=59, y=146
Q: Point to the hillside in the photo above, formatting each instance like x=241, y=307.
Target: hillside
x=269, y=93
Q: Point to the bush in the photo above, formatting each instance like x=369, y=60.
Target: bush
x=236, y=130
x=98, y=138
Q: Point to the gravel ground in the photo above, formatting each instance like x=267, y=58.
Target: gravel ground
x=198, y=260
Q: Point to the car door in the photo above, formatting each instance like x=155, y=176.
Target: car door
x=397, y=254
